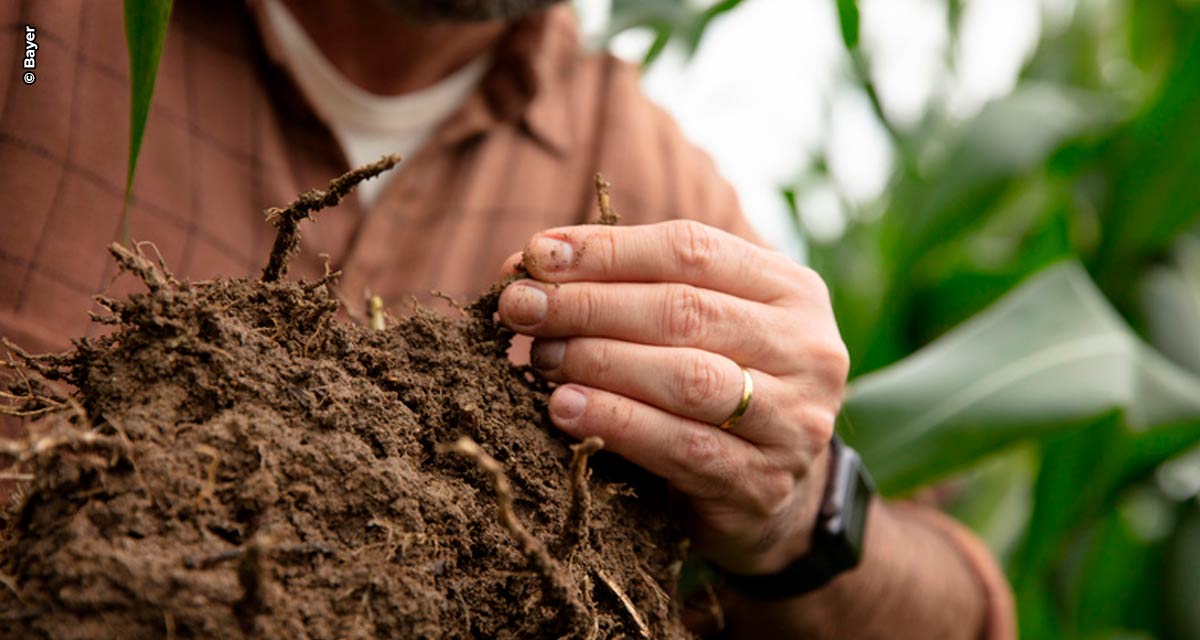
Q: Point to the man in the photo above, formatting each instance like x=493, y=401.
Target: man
x=691, y=349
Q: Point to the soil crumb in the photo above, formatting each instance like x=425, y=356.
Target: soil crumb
x=234, y=460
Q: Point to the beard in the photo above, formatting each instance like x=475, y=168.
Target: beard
x=466, y=10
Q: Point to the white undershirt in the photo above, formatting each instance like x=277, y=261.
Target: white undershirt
x=366, y=125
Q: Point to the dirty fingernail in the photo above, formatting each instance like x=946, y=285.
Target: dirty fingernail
x=547, y=355
x=550, y=254
x=567, y=404
x=527, y=304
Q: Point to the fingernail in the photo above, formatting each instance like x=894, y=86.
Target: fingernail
x=567, y=404
x=547, y=355
x=527, y=305
x=550, y=254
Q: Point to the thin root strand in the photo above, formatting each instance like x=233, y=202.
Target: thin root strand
x=23, y=451
x=137, y=264
x=560, y=588
x=578, y=525
x=607, y=215
x=612, y=585
x=287, y=219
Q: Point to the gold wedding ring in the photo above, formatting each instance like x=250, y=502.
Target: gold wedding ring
x=747, y=393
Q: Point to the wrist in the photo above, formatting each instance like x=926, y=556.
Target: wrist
x=835, y=538
x=795, y=527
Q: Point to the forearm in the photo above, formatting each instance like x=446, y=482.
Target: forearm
x=913, y=582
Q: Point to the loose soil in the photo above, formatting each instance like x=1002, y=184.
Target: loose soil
x=234, y=460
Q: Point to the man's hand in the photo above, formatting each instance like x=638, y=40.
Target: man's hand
x=647, y=328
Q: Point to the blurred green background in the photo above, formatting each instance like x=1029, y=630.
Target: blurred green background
x=1022, y=308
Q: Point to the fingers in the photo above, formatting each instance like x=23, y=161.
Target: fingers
x=677, y=251
x=510, y=266
x=698, y=459
x=686, y=382
x=749, y=333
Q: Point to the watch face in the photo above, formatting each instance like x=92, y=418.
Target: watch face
x=844, y=512
x=856, y=512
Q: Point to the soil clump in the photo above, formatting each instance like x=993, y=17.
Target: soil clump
x=233, y=460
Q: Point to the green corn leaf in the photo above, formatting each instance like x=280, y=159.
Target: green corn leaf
x=848, y=19
x=1051, y=357
x=1155, y=164
x=1168, y=296
x=145, y=30
x=1009, y=137
x=1117, y=581
x=985, y=160
x=1082, y=476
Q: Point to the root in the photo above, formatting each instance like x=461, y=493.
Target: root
x=16, y=476
x=108, y=304
x=47, y=365
x=138, y=265
x=8, y=581
x=329, y=278
x=454, y=304
x=714, y=606
x=31, y=403
x=664, y=600
x=607, y=215
x=251, y=578
x=578, y=526
x=48, y=405
x=99, y=319
x=322, y=325
x=251, y=559
x=287, y=219
x=555, y=579
x=112, y=304
x=162, y=264
x=25, y=451
x=16, y=500
x=643, y=629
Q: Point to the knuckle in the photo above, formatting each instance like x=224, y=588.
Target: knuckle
x=701, y=382
x=794, y=455
x=817, y=425
x=686, y=314
x=701, y=448
x=693, y=244
x=599, y=359
x=811, y=283
x=708, y=463
x=586, y=306
x=601, y=246
x=832, y=359
x=775, y=492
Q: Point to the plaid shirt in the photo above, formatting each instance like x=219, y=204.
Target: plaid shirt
x=229, y=135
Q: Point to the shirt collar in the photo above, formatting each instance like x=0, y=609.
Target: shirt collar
x=524, y=84
x=530, y=67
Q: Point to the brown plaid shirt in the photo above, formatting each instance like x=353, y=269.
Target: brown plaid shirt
x=229, y=135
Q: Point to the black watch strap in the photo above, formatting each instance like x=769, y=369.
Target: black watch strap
x=837, y=542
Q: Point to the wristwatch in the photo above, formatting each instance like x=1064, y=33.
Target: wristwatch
x=837, y=538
